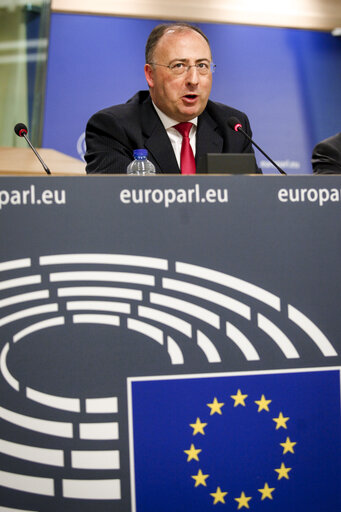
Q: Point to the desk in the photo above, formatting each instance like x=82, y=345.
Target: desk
x=22, y=161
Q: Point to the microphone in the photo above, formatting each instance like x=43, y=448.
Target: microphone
x=21, y=130
x=236, y=125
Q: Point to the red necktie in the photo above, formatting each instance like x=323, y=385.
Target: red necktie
x=186, y=156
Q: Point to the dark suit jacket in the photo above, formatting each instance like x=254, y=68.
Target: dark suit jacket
x=113, y=133
x=326, y=157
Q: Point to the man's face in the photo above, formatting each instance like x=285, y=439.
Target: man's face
x=181, y=97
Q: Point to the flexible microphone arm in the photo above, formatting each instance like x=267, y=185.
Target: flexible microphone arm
x=21, y=130
x=235, y=124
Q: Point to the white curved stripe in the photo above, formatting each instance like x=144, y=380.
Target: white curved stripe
x=101, y=405
x=24, y=313
x=186, y=307
x=115, y=307
x=231, y=282
x=52, y=322
x=206, y=294
x=105, y=459
x=148, y=330
x=96, y=319
x=106, y=259
x=167, y=319
x=99, y=431
x=208, y=348
x=24, y=297
x=53, y=428
x=119, y=277
x=20, y=281
x=7, y=509
x=57, y=402
x=100, y=291
x=242, y=342
x=15, y=264
x=278, y=336
x=92, y=489
x=174, y=351
x=4, y=370
x=312, y=330
x=25, y=483
x=33, y=453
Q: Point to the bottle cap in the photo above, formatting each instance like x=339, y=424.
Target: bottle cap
x=140, y=153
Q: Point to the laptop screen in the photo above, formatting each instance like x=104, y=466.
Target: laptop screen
x=227, y=163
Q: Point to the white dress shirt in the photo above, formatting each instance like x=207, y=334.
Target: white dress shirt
x=174, y=136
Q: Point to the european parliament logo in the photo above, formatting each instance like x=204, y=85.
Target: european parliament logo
x=260, y=442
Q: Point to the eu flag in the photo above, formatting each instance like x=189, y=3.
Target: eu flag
x=260, y=441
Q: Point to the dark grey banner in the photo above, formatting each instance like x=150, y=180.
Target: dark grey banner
x=111, y=284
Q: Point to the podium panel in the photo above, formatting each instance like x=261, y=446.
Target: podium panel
x=170, y=343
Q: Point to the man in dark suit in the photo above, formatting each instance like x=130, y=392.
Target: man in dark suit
x=326, y=157
x=178, y=71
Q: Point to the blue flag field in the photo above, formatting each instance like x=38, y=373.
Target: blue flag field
x=260, y=442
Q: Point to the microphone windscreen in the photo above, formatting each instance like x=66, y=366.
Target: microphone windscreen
x=234, y=123
x=20, y=129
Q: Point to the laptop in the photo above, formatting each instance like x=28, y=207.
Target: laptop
x=227, y=163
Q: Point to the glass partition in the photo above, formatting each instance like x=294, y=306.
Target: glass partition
x=23, y=56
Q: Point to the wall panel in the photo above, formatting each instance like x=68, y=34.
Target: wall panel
x=308, y=14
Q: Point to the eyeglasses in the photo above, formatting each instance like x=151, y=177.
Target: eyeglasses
x=179, y=68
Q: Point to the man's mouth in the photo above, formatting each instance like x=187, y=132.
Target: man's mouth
x=190, y=97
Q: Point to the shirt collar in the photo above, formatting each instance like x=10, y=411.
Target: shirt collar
x=168, y=122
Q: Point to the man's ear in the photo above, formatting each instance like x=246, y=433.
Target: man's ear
x=149, y=74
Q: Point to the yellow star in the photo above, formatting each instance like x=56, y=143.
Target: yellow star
x=243, y=501
x=281, y=421
x=283, y=472
x=288, y=446
x=266, y=492
x=218, y=496
x=200, y=479
x=198, y=427
x=239, y=399
x=215, y=406
x=263, y=404
x=192, y=453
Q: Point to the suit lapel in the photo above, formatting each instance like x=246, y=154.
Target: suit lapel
x=157, y=141
x=209, y=139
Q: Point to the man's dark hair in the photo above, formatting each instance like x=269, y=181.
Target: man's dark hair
x=159, y=30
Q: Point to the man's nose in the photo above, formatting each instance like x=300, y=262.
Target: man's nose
x=192, y=75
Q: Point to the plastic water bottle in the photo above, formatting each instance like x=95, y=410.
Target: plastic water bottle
x=141, y=165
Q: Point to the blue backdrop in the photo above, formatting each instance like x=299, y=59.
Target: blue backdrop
x=287, y=81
